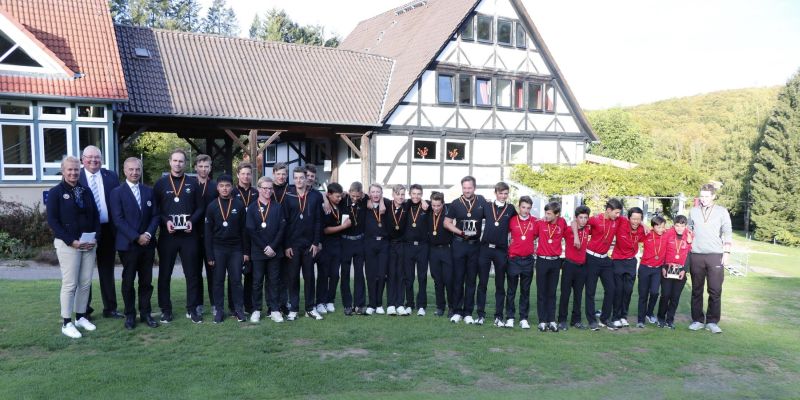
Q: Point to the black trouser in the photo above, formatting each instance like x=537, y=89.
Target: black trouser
x=670, y=298
x=328, y=264
x=415, y=259
x=169, y=247
x=649, y=280
x=301, y=260
x=499, y=257
x=201, y=255
x=465, y=273
x=601, y=268
x=546, y=284
x=106, y=258
x=520, y=272
x=624, y=278
x=266, y=274
x=441, y=262
x=283, y=290
x=376, y=257
x=702, y=267
x=394, y=274
x=137, y=260
x=353, y=254
x=573, y=278
x=228, y=261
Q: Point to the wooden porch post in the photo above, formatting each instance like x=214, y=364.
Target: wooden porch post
x=365, y=160
x=252, y=143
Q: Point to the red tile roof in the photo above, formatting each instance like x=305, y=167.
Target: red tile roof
x=80, y=34
x=210, y=76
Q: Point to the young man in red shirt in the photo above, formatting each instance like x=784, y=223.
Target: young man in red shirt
x=573, y=271
x=550, y=231
x=650, y=271
x=630, y=233
x=520, y=262
x=678, y=245
x=598, y=265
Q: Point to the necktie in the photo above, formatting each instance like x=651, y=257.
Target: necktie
x=96, y=193
x=135, y=189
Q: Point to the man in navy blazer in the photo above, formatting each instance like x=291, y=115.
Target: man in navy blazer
x=135, y=215
x=101, y=182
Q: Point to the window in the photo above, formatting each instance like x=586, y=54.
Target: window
x=483, y=92
x=485, y=28
x=17, y=144
x=504, y=93
x=550, y=98
x=351, y=155
x=519, y=96
x=426, y=150
x=465, y=90
x=445, y=89
x=455, y=150
x=12, y=54
x=91, y=112
x=94, y=136
x=15, y=109
x=468, y=30
x=535, y=96
x=504, y=28
x=517, y=153
x=54, y=111
x=522, y=37
x=56, y=142
x=271, y=154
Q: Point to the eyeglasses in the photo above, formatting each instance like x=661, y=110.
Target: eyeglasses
x=265, y=187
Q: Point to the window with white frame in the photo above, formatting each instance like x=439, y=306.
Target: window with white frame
x=17, y=157
x=504, y=31
x=517, y=153
x=56, y=142
x=91, y=112
x=12, y=109
x=504, y=93
x=483, y=92
x=425, y=150
x=468, y=30
x=456, y=150
x=445, y=89
x=271, y=154
x=92, y=135
x=465, y=89
x=519, y=96
x=550, y=99
x=352, y=155
x=13, y=55
x=522, y=40
x=535, y=96
x=54, y=111
x=485, y=33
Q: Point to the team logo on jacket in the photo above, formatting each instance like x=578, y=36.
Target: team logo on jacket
x=149, y=204
x=233, y=211
x=188, y=190
x=66, y=196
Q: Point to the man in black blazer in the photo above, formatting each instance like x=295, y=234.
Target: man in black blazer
x=101, y=182
x=136, y=218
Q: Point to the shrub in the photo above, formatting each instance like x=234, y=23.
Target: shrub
x=28, y=224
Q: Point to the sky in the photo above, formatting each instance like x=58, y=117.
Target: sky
x=623, y=52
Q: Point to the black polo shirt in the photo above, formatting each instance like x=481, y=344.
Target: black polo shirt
x=377, y=225
x=497, y=218
x=333, y=219
x=418, y=223
x=227, y=231
x=461, y=210
x=190, y=198
x=306, y=230
x=398, y=219
x=246, y=196
x=442, y=236
x=358, y=212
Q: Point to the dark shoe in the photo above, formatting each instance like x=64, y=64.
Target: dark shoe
x=562, y=326
x=113, y=314
x=147, y=319
x=166, y=317
x=594, y=326
x=360, y=311
x=348, y=311
x=219, y=318
x=608, y=325
x=240, y=316
x=130, y=322
x=439, y=312
x=196, y=318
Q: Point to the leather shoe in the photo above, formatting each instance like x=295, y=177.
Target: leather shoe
x=130, y=322
x=113, y=314
x=147, y=319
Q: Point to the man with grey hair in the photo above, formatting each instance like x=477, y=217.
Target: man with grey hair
x=711, y=248
x=101, y=182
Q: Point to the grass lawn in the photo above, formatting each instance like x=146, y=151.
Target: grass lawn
x=758, y=355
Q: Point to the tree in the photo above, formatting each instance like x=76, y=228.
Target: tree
x=277, y=26
x=776, y=171
x=621, y=137
x=183, y=15
x=177, y=15
x=220, y=20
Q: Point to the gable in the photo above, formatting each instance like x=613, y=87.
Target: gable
x=22, y=53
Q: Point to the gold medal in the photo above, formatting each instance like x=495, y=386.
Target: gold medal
x=414, y=225
x=469, y=214
x=178, y=190
x=435, y=233
x=380, y=225
x=397, y=227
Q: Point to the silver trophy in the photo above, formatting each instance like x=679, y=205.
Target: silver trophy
x=470, y=228
x=673, y=271
x=179, y=221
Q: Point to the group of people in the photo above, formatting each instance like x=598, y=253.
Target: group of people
x=259, y=238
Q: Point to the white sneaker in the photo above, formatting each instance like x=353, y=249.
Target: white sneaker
x=696, y=326
x=510, y=323
x=393, y=311
x=468, y=320
x=455, y=318
x=84, y=323
x=70, y=331
x=617, y=324
x=652, y=319
x=321, y=309
x=714, y=328
x=276, y=316
x=313, y=314
x=255, y=316
x=370, y=311
x=380, y=311
x=330, y=308
x=542, y=327
x=524, y=324
x=406, y=311
x=499, y=323
x=553, y=326
x=292, y=316
x=480, y=321
x=624, y=322
x=421, y=312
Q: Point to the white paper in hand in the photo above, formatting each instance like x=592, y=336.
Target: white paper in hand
x=345, y=218
x=87, y=237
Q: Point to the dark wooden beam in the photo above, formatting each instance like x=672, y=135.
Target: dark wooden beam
x=350, y=144
x=237, y=141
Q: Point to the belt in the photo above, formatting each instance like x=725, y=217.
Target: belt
x=598, y=255
x=548, y=257
x=440, y=245
x=378, y=238
x=650, y=266
x=416, y=243
x=460, y=239
x=494, y=246
x=356, y=237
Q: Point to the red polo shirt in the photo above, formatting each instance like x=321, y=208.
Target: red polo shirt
x=550, y=235
x=655, y=249
x=677, y=247
x=602, y=233
x=521, y=247
x=628, y=240
x=573, y=254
